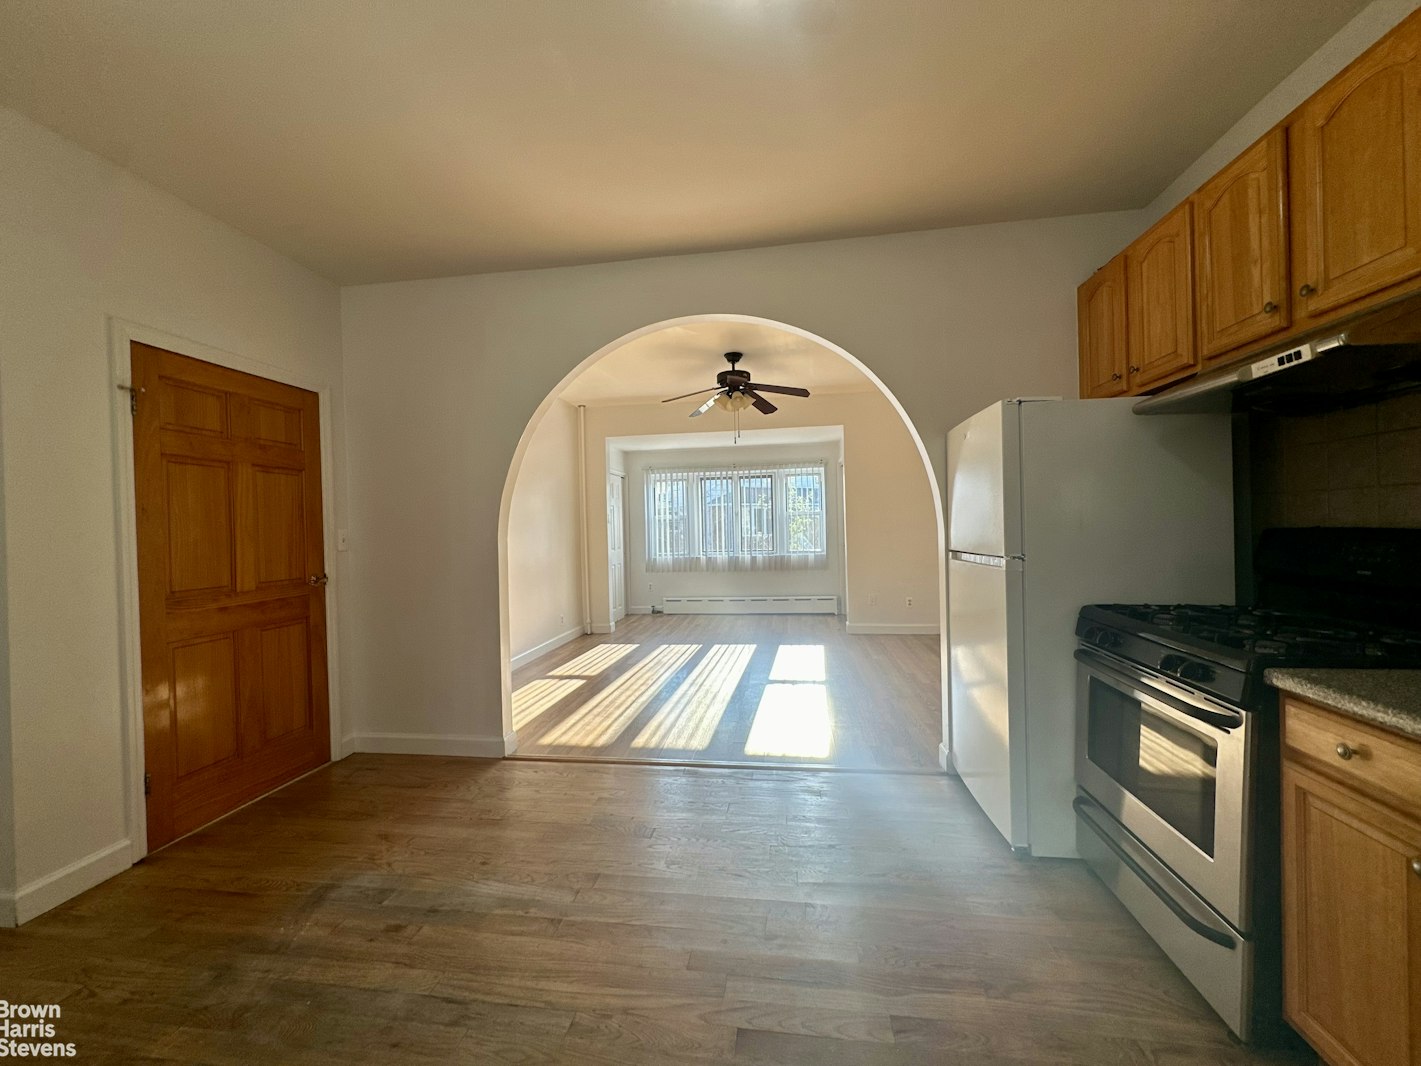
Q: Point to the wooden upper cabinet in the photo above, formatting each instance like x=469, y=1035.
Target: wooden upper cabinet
x=1355, y=161
x=1159, y=302
x=1100, y=322
x=1241, y=250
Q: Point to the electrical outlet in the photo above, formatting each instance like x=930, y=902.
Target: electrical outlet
x=562, y=619
x=650, y=587
x=908, y=601
x=873, y=599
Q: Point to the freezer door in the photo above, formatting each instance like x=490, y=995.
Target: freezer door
x=986, y=679
x=984, y=487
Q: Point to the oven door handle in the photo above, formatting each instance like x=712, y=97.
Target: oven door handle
x=1152, y=690
x=1082, y=804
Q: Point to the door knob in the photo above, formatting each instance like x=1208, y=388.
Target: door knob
x=1345, y=750
x=316, y=581
x=1269, y=307
x=1306, y=290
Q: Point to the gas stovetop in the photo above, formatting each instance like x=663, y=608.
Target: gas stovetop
x=1224, y=650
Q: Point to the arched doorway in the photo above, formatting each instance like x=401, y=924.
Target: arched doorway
x=722, y=659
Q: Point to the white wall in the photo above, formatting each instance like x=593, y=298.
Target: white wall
x=544, y=543
x=645, y=590
x=950, y=320
x=81, y=240
x=891, y=552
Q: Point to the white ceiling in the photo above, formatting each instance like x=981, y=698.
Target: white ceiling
x=384, y=139
x=680, y=359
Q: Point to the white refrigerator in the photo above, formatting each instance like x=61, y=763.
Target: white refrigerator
x=1054, y=504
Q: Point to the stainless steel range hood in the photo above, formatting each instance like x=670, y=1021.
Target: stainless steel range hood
x=1371, y=357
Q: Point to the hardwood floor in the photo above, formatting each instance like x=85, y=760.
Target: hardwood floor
x=735, y=689
x=403, y=910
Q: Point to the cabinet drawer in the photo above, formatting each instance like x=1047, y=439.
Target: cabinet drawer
x=1373, y=760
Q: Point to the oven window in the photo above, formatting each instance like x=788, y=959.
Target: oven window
x=1169, y=769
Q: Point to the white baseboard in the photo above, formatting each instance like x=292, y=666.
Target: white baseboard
x=890, y=628
x=944, y=759
x=639, y=609
x=49, y=891
x=523, y=658
x=474, y=747
x=604, y=627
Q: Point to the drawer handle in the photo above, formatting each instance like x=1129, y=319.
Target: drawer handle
x=1345, y=750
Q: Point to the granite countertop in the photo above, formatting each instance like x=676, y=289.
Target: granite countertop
x=1389, y=698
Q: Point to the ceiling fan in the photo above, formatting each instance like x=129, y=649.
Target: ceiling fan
x=734, y=391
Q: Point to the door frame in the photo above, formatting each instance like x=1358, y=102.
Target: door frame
x=122, y=334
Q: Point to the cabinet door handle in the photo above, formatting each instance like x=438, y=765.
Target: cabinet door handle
x=1416, y=866
x=1345, y=750
x=1269, y=307
x=1134, y=370
x=1114, y=377
x=1306, y=290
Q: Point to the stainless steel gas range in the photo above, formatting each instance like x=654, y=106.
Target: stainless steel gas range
x=1177, y=758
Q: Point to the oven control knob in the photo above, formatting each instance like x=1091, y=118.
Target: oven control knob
x=1192, y=671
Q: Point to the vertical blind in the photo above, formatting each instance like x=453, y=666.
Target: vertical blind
x=765, y=517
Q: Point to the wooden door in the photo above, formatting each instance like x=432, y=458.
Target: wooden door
x=1241, y=250
x=231, y=587
x=1159, y=302
x=1352, y=914
x=1100, y=323
x=1356, y=178
x=616, y=546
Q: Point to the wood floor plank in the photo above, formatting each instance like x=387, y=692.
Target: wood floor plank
x=735, y=689
x=404, y=910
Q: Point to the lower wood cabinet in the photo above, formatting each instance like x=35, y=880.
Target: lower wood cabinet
x=1351, y=888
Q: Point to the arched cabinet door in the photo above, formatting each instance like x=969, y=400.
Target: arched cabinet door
x=1100, y=321
x=1355, y=158
x=1241, y=250
x=1159, y=302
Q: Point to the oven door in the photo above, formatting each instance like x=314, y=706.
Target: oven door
x=1171, y=767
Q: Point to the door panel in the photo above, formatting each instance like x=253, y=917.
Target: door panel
x=1356, y=163
x=988, y=745
x=1159, y=301
x=1240, y=236
x=616, y=546
x=228, y=494
x=1100, y=323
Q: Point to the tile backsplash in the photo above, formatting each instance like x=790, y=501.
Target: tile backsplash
x=1359, y=467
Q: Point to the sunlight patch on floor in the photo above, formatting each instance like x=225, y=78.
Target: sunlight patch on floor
x=593, y=662
x=688, y=720
x=798, y=662
x=537, y=696
x=603, y=718
x=792, y=721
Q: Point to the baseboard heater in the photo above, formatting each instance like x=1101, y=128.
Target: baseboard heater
x=751, y=604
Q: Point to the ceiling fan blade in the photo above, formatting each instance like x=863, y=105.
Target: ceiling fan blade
x=787, y=390
x=764, y=406
x=703, y=408
x=696, y=393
